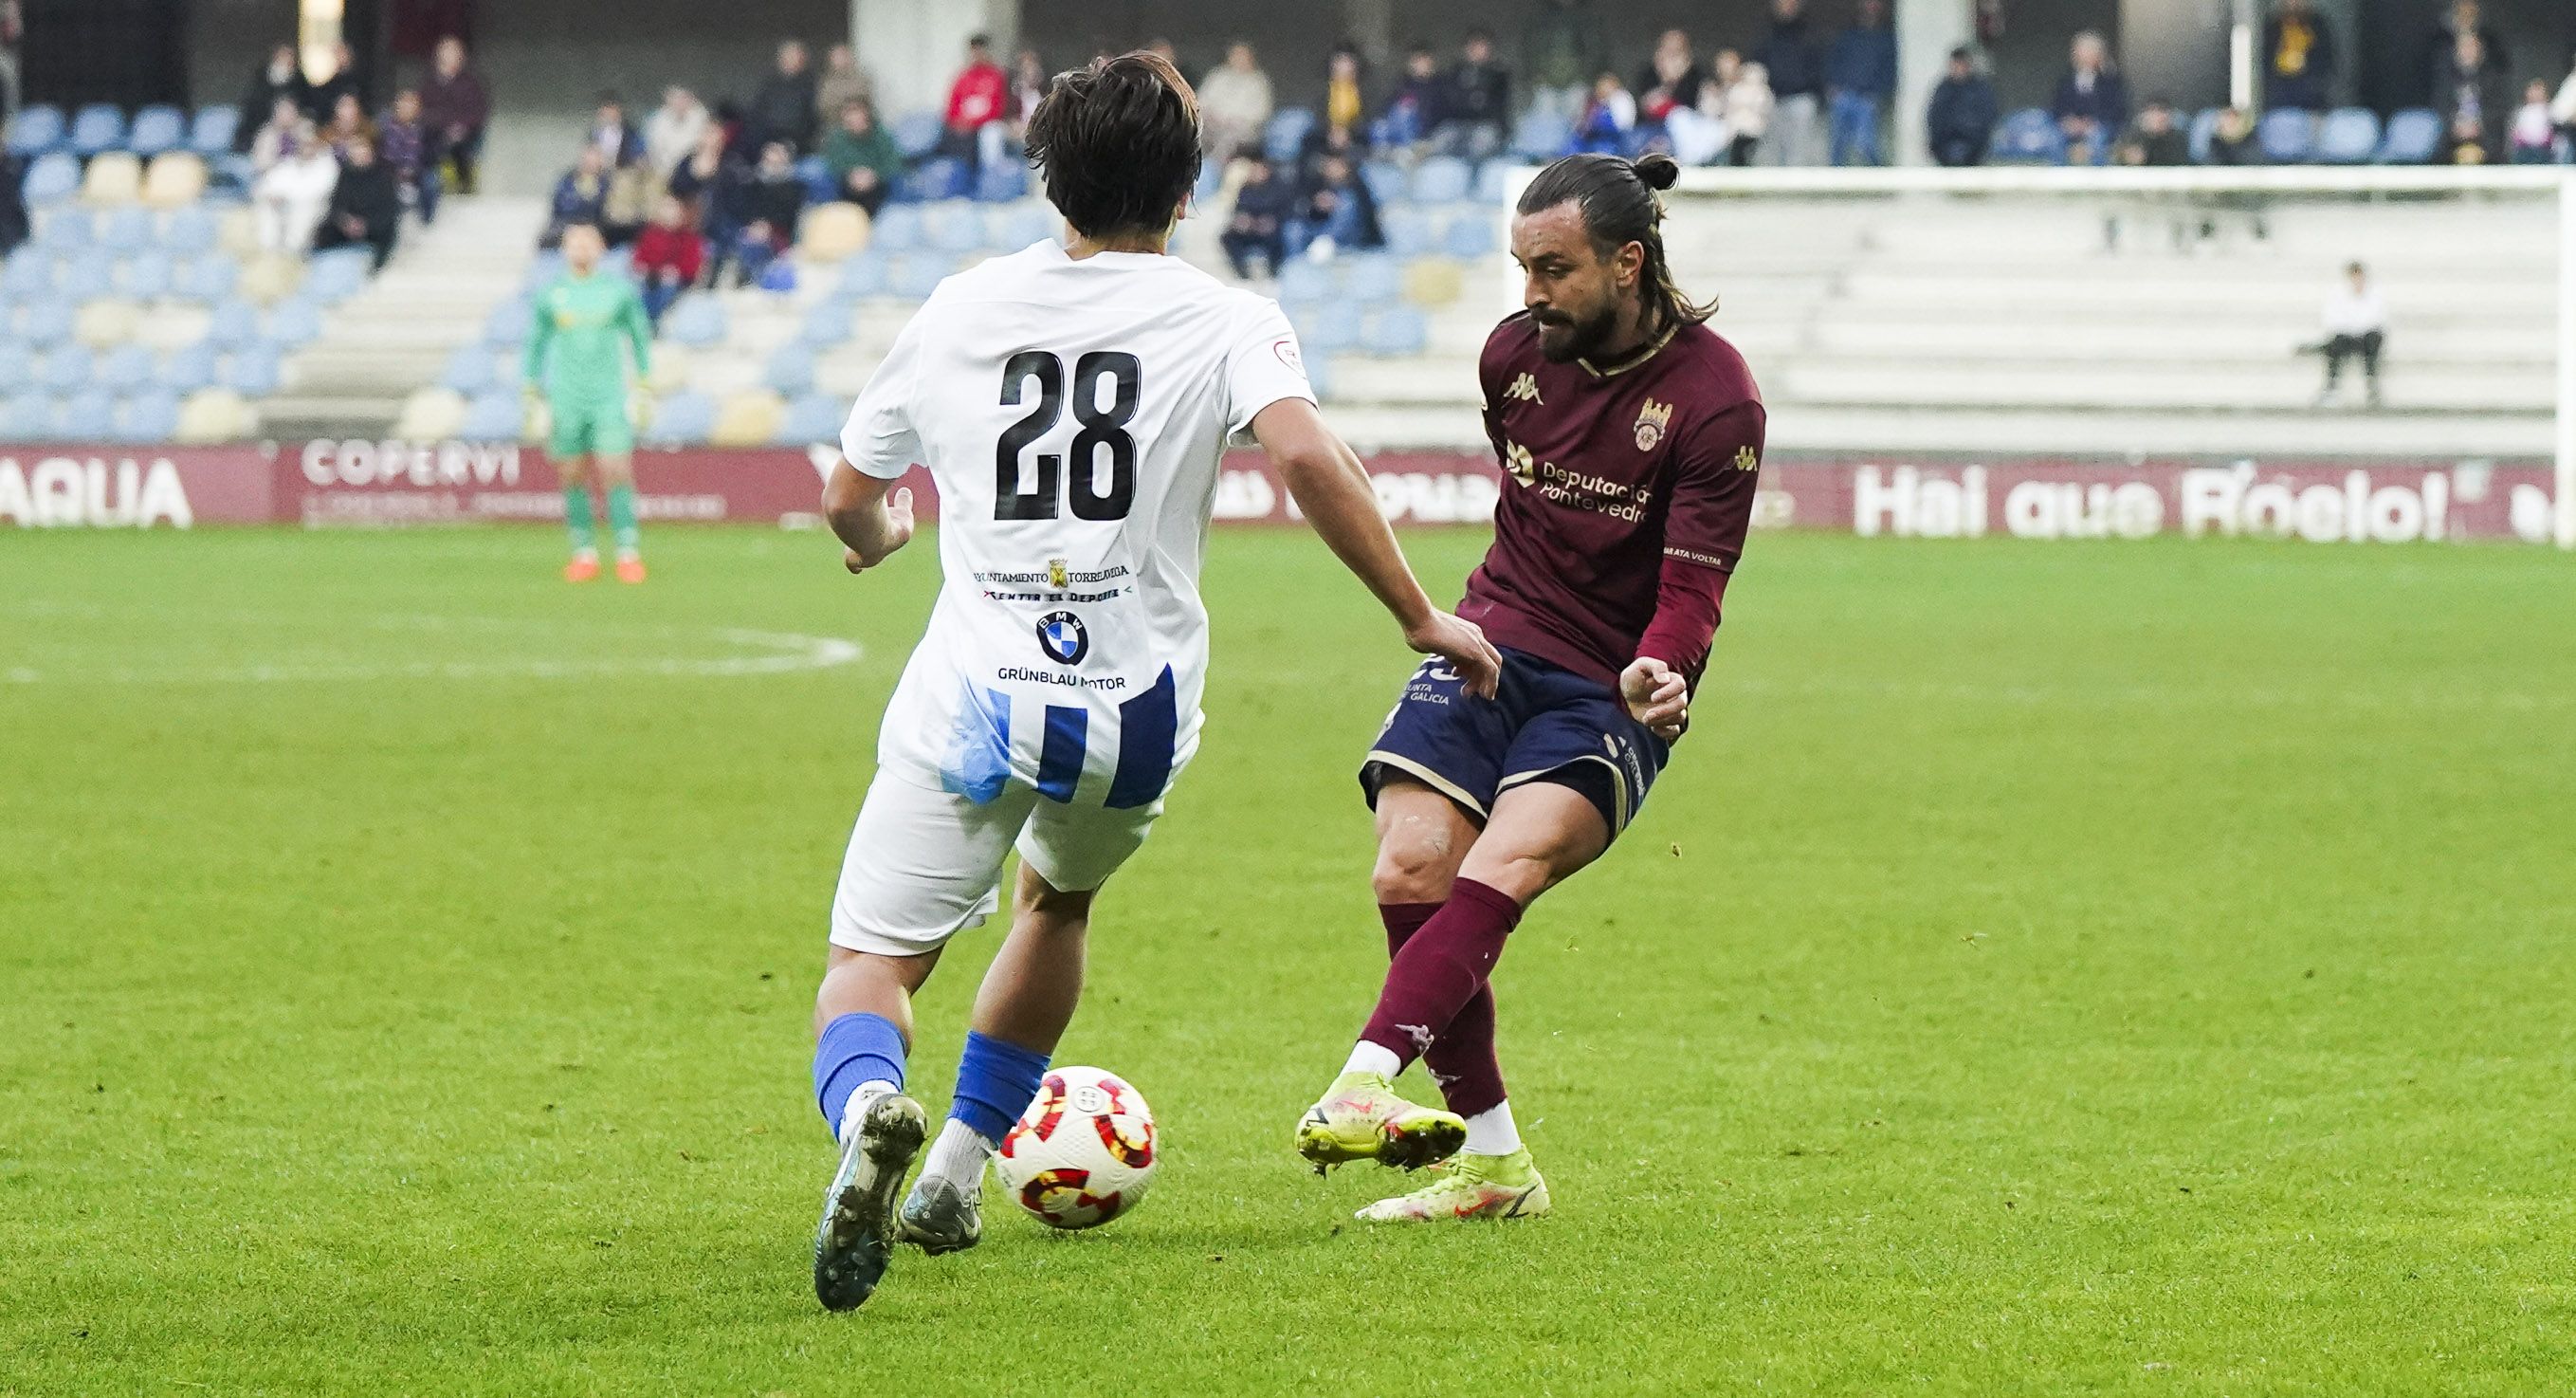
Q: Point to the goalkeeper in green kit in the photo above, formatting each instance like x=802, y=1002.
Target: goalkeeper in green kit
x=585, y=321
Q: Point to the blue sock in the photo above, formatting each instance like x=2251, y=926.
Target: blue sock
x=996, y=1081
x=855, y=1048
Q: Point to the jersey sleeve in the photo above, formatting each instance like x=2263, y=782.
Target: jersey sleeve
x=1262, y=366
x=1712, y=492
x=1490, y=364
x=880, y=439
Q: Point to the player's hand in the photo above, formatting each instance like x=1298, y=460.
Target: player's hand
x=1657, y=696
x=1462, y=643
x=898, y=532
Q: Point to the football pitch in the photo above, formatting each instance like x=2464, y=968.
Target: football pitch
x=2046, y=968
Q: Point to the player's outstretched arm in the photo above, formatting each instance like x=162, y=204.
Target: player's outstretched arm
x=1332, y=488
x=870, y=518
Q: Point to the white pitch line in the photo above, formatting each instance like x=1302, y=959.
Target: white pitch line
x=787, y=653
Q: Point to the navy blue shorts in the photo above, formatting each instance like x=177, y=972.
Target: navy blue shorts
x=1545, y=723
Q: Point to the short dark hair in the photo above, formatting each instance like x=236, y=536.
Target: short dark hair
x=1619, y=203
x=1117, y=143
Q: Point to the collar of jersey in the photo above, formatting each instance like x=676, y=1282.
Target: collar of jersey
x=1632, y=361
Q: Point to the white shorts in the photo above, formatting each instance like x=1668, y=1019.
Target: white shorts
x=925, y=864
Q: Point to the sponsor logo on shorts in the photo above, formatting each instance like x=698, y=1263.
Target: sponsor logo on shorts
x=1064, y=639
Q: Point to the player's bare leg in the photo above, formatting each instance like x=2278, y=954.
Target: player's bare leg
x=576, y=475
x=865, y=998
x=1021, y=1011
x=616, y=472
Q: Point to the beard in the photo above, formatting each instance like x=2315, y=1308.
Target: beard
x=1563, y=339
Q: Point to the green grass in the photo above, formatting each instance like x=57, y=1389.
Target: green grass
x=2047, y=969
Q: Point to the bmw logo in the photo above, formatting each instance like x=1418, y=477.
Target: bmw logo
x=1061, y=636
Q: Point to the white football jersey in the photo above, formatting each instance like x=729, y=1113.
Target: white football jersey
x=1073, y=414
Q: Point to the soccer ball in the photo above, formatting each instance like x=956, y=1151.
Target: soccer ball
x=1083, y=1152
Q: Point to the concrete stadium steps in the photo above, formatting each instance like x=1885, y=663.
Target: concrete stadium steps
x=2074, y=385
x=1862, y=332
x=2295, y=435
x=395, y=337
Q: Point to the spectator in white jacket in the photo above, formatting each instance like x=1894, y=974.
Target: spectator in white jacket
x=672, y=133
x=1234, y=104
x=2563, y=111
x=2356, y=324
x=1748, y=105
x=290, y=196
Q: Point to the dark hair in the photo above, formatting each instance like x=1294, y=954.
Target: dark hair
x=1118, y=144
x=1619, y=204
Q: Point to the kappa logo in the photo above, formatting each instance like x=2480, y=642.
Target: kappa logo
x=1525, y=390
x=1747, y=460
x=1062, y=637
x=1652, y=419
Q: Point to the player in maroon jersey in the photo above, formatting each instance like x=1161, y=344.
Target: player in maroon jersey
x=1632, y=436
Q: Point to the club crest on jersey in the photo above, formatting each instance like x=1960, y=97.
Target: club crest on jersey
x=1518, y=461
x=1652, y=419
x=1056, y=574
x=1062, y=637
x=1525, y=390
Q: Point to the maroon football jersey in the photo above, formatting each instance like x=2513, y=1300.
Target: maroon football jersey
x=1610, y=472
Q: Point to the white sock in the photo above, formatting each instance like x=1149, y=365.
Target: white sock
x=1367, y=1057
x=1491, y=1132
x=855, y=1110
x=958, y=1156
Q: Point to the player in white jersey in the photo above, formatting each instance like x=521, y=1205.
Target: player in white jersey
x=1072, y=404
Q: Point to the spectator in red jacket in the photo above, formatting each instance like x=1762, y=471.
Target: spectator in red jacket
x=669, y=257
x=979, y=106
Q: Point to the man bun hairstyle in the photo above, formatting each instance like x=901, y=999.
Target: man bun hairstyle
x=1118, y=144
x=1618, y=199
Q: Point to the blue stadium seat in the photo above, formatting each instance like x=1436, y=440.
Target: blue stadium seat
x=542, y=273
x=29, y=417
x=1442, y=180
x=682, y=420
x=1369, y=278
x=187, y=369
x=1319, y=375
x=252, y=371
x=1304, y=283
x=2204, y=130
x=826, y=325
x=338, y=275
x=617, y=262
x=190, y=230
x=2414, y=137
x=208, y=278
x=917, y=134
x=1211, y=180
x=2030, y=137
x=472, y=369
x=97, y=128
x=127, y=230
x=146, y=276
x=2350, y=136
x=1541, y=136
x=935, y=180
x=1472, y=237
x=1412, y=232
x=1387, y=182
x=1021, y=226
x=212, y=133
x=146, y=417
x=17, y=363
x=1286, y=134
x=791, y=370
x=64, y=368
x=917, y=276
x=493, y=417
x=817, y=179
x=86, y=276
x=88, y=416
x=47, y=320
x=695, y=321
x=51, y=180
x=229, y=177
x=1003, y=183
x=897, y=229
x=29, y=273
x=37, y=130
x=1493, y=182
x=292, y=324
x=67, y=230
x=508, y=323
x=955, y=227
x=124, y=369
x=157, y=129
x=1397, y=331
x=2288, y=136
x=811, y=418
x=862, y=276
x=235, y=322
x=1336, y=328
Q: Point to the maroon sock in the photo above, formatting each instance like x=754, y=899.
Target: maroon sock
x=1440, y=969
x=1462, y=1058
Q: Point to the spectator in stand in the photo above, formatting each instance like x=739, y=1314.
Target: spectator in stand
x=842, y=84
x=1797, y=71
x=620, y=144
x=2092, y=104
x=1325, y=143
x=674, y=130
x=2155, y=140
x=276, y=140
x=1562, y=46
x=979, y=107
x=862, y=158
x=405, y=149
x=783, y=108
x=704, y=182
x=1671, y=81
x=1416, y=109
x=1258, y=229
x=13, y=32
x=1608, y=124
x=288, y=199
x=1234, y=103
x=1029, y=81
x=365, y=209
x=1860, y=80
x=2441, y=51
x=2473, y=100
x=670, y=256
x=1345, y=102
x=2356, y=323
x=1748, y=106
x=773, y=199
x=581, y=197
x=1476, y=112
x=457, y=107
x=1339, y=207
x=2534, y=139
x=13, y=203
x=280, y=81
x=349, y=128
x=1961, y=126
x=2231, y=141
x=2563, y=111
x=322, y=95
x=2298, y=59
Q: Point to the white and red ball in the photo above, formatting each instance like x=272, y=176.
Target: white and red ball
x=1083, y=1152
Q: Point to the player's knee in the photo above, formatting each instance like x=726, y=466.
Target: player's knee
x=1412, y=870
